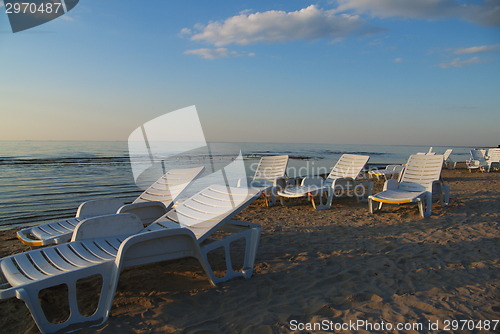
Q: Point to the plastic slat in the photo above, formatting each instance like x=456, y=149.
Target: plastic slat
x=41, y=233
x=43, y=265
x=28, y=268
x=198, y=215
x=208, y=202
x=12, y=274
x=225, y=192
x=114, y=242
x=206, y=209
x=189, y=220
x=57, y=260
x=64, y=224
x=89, y=251
x=102, y=244
x=72, y=258
x=56, y=228
x=85, y=254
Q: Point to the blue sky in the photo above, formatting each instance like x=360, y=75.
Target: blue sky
x=347, y=72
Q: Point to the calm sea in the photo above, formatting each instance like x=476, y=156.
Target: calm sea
x=43, y=181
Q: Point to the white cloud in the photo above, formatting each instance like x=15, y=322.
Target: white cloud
x=486, y=13
x=273, y=26
x=186, y=31
x=477, y=49
x=457, y=62
x=216, y=53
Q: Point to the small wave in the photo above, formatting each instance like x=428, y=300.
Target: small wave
x=70, y=160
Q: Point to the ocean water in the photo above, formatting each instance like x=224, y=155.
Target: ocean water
x=42, y=181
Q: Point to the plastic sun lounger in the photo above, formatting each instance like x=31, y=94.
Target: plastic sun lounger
x=104, y=245
x=415, y=185
x=389, y=172
x=493, y=160
x=478, y=160
x=270, y=174
x=342, y=177
x=163, y=192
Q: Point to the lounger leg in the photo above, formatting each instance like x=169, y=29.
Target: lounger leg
x=421, y=207
x=251, y=235
x=273, y=197
x=371, y=205
x=329, y=200
x=265, y=198
x=30, y=296
x=428, y=205
x=311, y=198
x=446, y=191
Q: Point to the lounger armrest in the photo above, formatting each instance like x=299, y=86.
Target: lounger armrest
x=147, y=212
x=107, y=226
x=99, y=207
x=391, y=184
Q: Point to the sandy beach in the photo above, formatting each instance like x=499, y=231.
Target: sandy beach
x=334, y=267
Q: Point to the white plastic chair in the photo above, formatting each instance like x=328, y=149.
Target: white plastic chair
x=343, y=178
x=104, y=245
x=163, y=192
x=415, y=185
x=477, y=161
x=269, y=175
x=493, y=159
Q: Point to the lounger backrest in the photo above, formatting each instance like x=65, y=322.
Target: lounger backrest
x=271, y=168
x=478, y=154
x=420, y=172
x=447, y=154
x=348, y=166
x=204, y=212
x=168, y=187
x=494, y=154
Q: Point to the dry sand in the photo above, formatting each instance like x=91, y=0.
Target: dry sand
x=337, y=265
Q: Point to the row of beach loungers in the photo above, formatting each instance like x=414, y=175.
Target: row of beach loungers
x=107, y=235
x=484, y=160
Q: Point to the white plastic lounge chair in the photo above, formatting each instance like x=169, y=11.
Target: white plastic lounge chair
x=415, y=185
x=163, y=192
x=448, y=163
x=342, y=178
x=270, y=174
x=477, y=161
x=104, y=245
x=390, y=172
x=493, y=160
